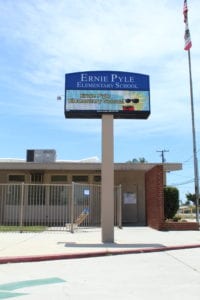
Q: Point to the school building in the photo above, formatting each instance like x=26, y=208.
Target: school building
x=41, y=191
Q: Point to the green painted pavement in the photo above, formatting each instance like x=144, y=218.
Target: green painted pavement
x=11, y=286
x=6, y=295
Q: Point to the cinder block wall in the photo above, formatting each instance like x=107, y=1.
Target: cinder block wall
x=154, y=197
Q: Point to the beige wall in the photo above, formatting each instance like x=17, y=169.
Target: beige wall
x=133, y=182
x=130, y=180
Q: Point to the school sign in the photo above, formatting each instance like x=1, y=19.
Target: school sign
x=90, y=94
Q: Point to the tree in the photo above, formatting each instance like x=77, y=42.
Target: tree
x=142, y=160
x=191, y=197
x=139, y=160
x=171, y=201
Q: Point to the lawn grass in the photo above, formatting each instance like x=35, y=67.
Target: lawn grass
x=8, y=228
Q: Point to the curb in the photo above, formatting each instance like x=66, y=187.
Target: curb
x=39, y=258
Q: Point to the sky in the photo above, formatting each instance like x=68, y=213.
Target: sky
x=42, y=40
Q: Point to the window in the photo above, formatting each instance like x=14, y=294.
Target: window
x=58, y=178
x=37, y=177
x=36, y=191
x=36, y=194
x=80, y=178
x=14, y=194
x=16, y=178
x=97, y=178
x=14, y=189
x=59, y=194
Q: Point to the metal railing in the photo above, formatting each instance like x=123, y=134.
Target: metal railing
x=54, y=206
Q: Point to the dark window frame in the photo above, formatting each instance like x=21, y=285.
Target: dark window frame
x=59, y=178
x=80, y=178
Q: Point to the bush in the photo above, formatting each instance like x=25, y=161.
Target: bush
x=171, y=202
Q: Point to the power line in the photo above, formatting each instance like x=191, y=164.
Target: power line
x=183, y=183
x=190, y=158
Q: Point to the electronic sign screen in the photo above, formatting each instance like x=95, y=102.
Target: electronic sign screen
x=90, y=94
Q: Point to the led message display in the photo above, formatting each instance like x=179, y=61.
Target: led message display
x=90, y=94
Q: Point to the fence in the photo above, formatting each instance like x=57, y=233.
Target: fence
x=54, y=206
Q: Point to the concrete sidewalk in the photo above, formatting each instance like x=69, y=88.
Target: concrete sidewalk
x=21, y=247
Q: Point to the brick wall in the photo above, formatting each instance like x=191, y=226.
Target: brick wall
x=180, y=226
x=155, y=203
x=154, y=197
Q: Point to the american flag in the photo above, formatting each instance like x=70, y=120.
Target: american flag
x=188, y=42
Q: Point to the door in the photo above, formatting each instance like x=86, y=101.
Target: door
x=130, y=206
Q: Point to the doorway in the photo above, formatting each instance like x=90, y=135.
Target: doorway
x=130, y=206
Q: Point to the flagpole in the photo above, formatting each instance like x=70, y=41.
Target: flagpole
x=196, y=172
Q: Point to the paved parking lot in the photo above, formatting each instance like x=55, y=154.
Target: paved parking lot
x=161, y=265
x=160, y=275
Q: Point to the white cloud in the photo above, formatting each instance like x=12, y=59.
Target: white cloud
x=52, y=39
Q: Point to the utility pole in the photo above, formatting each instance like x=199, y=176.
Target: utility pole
x=163, y=155
x=163, y=161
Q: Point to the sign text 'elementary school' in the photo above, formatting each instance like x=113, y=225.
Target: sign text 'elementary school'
x=90, y=94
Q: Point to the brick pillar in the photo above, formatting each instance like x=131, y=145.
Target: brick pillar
x=154, y=197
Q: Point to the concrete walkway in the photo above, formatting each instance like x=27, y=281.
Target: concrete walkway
x=27, y=247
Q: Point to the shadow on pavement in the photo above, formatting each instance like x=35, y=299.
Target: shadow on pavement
x=110, y=245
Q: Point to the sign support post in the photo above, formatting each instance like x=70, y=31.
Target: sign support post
x=107, y=174
x=107, y=95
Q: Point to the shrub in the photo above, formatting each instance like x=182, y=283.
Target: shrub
x=171, y=202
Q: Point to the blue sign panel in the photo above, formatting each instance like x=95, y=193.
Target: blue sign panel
x=91, y=94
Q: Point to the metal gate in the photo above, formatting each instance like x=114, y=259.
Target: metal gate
x=54, y=206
